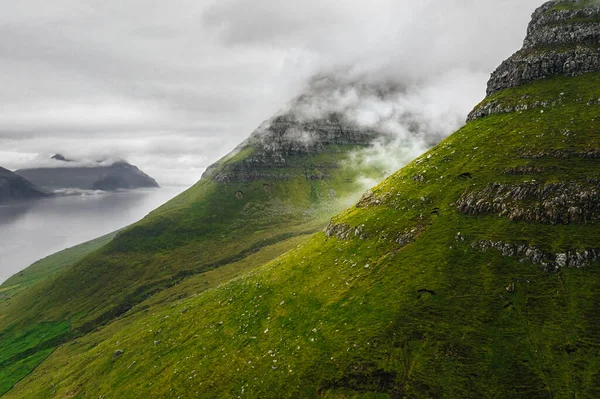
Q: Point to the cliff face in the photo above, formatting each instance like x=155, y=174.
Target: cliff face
x=15, y=188
x=273, y=145
x=563, y=39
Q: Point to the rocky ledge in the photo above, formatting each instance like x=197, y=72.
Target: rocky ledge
x=533, y=202
x=548, y=261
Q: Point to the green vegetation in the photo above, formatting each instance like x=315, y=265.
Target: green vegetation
x=23, y=351
x=405, y=307
x=577, y=5
x=47, y=267
x=561, y=91
x=210, y=234
x=207, y=227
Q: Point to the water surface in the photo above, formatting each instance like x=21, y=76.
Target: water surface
x=32, y=231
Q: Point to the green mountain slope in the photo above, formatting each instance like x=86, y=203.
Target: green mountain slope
x=470, y=273
x=279, y=186
x=47, y=267
x=253, y=198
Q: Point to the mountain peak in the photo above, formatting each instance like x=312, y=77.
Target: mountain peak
x=563, y=38
x=60, y=157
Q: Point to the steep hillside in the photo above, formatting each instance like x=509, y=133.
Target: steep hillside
x=45, y=268
x=257, y=196
x=470, y=273
x=15, y=188
x=282, y=184
x=119, y=175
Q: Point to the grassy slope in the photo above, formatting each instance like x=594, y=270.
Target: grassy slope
x=47, y=267
x=22, y=349
x=202, y=238
x=574, y=6
x=206, y=227
x=372, y=318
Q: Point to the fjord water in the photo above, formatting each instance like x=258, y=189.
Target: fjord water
x=34, y=230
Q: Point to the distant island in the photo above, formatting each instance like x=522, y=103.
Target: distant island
x=96, y=176
x=16, y=188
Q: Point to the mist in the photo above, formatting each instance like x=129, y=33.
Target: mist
x=172, y=87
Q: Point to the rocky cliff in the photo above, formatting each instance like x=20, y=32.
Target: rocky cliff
x=563, y=38
x=271, y=147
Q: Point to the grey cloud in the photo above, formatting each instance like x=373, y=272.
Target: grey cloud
x=173, y=85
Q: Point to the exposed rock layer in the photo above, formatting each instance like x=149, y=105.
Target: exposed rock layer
x=555, y=203
x=284, y=137
x=550, y=262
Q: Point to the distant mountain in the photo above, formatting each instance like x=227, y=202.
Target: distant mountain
x=60, y=157
x=119, y=175
x=16, y=188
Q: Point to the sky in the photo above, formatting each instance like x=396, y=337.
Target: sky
x=173, y=86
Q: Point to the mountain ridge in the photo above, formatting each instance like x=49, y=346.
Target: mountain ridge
x=116, y=176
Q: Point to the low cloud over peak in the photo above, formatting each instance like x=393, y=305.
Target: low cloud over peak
x=171, y=86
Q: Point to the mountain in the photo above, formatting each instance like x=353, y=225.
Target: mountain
x=15, y=188
x=118, y=175
x=279, y=186
x=470, y=273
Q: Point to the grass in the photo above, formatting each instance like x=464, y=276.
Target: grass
x=573, y=6
x=23, y=348
x=22, y=351
x=47, y=267
x=372, y=318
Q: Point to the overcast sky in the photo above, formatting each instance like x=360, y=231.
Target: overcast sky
x=173, y=85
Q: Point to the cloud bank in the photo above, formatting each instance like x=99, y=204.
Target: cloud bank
x=172, y=86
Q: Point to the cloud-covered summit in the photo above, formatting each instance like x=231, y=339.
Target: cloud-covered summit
x=172, y=86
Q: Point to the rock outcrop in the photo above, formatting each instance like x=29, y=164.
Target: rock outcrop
x=549, y=262
x=552, y=203
x=561, y=40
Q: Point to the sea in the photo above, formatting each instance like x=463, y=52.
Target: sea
x=33, y=230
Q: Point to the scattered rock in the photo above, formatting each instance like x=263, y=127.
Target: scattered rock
x=523, y=170
x=510, y=288
x=344, y=231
